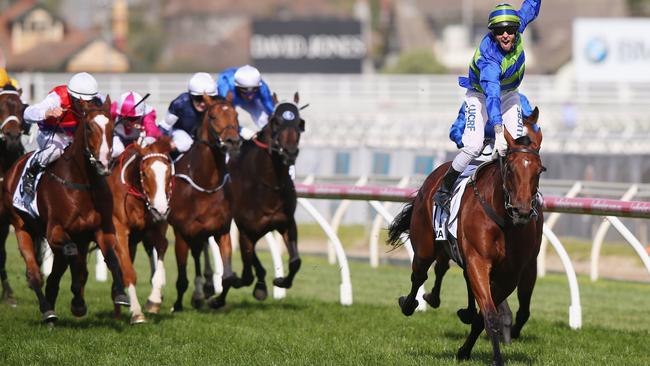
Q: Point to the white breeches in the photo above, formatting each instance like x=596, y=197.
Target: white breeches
x=51, y=146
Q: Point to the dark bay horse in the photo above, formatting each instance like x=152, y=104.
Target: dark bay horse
x=499, y=235
x=11, y=148
x=74, y=205
x=264, y=197
x=141, y=183
x=200, y=205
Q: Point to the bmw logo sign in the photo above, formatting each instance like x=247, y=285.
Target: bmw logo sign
x=596, y=50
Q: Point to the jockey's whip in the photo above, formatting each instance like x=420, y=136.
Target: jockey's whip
x=135, y=106
x=304, y=106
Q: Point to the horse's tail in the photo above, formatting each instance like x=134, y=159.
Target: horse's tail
x=400, y=225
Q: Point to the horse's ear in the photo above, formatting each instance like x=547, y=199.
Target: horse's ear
x=301, y=125
x=296, y=98
x=230, y=97
x=532, y=119
x=275, y=99
x=107, y=104
x=508, y=136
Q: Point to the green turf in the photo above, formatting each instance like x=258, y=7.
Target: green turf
x=309, y=327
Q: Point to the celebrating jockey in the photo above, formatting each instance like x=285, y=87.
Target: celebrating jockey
x=57, y=121
x=133, y=119
x=492, y=98
x=250, y=93
x=186, y=111
x=458, y=127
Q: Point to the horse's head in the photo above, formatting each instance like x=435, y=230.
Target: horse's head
x=521, y=169
x=285, y=127
x=96, y=131
x=220, y=127
x=156, y=173
x=11, y=118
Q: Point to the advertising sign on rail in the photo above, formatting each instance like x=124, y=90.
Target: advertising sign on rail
x=611, y=49
x=308, y=46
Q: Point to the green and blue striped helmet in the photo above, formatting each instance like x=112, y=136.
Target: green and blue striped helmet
x=503, y=15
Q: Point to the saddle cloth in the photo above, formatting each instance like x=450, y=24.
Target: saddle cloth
x=19, y=200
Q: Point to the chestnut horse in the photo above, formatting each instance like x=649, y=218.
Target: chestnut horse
x=74, y=205
x=141, y=186
x=264, y=197
x=200, y=205
x=11, y=148
x=499, y=235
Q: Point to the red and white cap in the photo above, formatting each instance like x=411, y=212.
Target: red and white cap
x=126, y=105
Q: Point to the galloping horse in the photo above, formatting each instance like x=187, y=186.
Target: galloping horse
x=200, y=204
x=11, y=148
x=74, y=205
x=499, y=235
x=264, y=197
x=141, y=186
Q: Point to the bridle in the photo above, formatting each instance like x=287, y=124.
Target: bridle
x=144, y=195
x=503, y=162
x=216, y=135
x=9, y=118
x=275, y=145
x=94, y=162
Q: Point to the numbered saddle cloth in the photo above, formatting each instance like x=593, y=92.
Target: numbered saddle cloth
x=31, y=208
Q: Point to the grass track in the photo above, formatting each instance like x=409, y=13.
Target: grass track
x=310, y=327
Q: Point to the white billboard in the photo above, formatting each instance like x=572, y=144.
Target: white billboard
x=611, y=49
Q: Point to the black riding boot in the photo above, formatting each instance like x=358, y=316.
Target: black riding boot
x=29, y=181
x=443, y=195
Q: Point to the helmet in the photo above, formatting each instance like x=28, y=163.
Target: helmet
x=82, y=86
x=15, y=83
x=503, y=15
x=202, y=83
x=4, y=77
x=247, y=77
x=126, y=104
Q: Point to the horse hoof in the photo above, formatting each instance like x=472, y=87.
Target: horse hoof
x=463, y=354
x=408, y=307
x=231, y=281
x=177, y=308
x=260, y=292
x=515, y=332
x=433, y=302
x=282, y=282
x=466, y=316
x=208, y=289
x=197, y=302
x=122, y=300
x=49, y=317
x=79, y=310
x=138, y=319
x=8, y=294
x=152, y=307
x=216, y=302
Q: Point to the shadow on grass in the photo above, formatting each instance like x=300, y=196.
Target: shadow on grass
x=482, y=356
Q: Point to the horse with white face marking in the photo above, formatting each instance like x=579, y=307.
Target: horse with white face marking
x=141, y=183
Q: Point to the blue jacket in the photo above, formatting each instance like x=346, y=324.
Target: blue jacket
x=226, y=83
x=458, y=127
x=492, y=70
x=189, y=119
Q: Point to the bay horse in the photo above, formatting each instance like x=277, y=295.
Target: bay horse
x=141, y=183
x=11, y=148
x=499, y=235
x=200, y=205
x=75, y=205
x=264, y=196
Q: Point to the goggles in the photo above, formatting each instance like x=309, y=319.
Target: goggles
x=510, y=30
x=248, y=91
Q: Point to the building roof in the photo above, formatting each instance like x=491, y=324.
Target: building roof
x=256, y=8
x=50, y=56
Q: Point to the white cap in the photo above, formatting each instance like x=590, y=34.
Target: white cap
x=202, y=83
x=247, y=77
x=82, y=86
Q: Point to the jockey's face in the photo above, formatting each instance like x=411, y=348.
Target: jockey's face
x=247, y=93
x=199, y=103
x=506, y=37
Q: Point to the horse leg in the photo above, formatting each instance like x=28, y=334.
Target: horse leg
x=467, y=315
x=123, y=251
x=198, y=297
x=290, y=237
x=208, y=273
x=229, y=279
x=59, y=265
x=107, y=243
x=34, y=277
x=76, y=257
x=156, y=238
x=181, y=249
x=441, y=267
x=7, y=292
x=260, y=292
x=247, y=250
x=478, y=270
x=524, y=294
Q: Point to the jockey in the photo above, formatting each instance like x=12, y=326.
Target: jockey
x=492, y=99
x=57, y=123
x=250, y=93
x=133, y=119
x=185, y=113
x=458, y=127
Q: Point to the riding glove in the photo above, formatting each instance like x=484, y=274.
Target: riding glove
x=500, y=143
